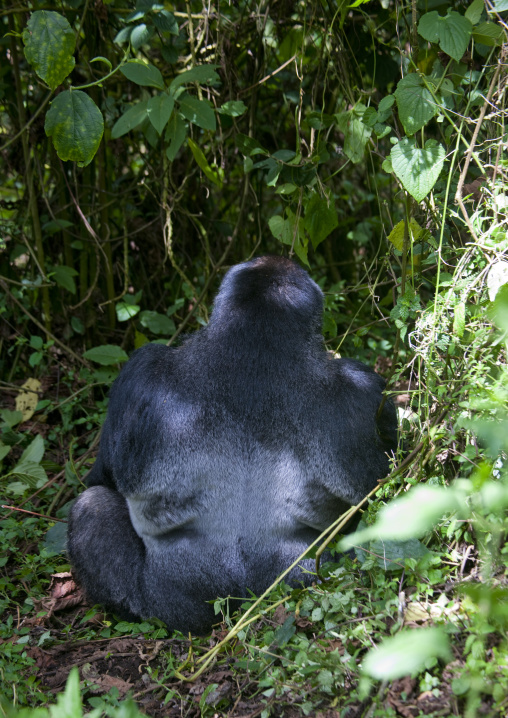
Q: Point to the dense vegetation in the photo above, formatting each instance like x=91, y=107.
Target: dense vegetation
x=146, y=148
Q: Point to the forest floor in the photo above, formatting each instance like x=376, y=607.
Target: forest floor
x=134, y=666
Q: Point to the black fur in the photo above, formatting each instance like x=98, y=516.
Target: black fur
x=222, y=459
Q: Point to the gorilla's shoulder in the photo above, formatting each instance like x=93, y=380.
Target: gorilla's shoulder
x=358, y=373
x=150, y=355
x=146, y=366
x=152, y=352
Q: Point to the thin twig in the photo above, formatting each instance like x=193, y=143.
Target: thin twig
x=469, y=152
x=33, y=513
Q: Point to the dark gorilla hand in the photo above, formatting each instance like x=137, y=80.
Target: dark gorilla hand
x=222, y=459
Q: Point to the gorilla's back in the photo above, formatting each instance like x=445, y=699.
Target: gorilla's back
x=253, y=457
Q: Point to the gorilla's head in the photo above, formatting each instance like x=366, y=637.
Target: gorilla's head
x=269, y=291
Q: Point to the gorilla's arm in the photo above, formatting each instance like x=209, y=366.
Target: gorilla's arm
x=365, y=440
x=131, y=426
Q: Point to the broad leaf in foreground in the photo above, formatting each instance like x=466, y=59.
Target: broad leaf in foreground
x=452, y=32
x=49, y=46
x=106, y=354
x=75, y=124
x=417, y=168
x=406, y=653
x=416, y=104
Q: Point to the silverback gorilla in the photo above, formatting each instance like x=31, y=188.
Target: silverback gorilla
x=222, y=459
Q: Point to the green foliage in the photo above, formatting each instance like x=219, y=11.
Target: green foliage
x=106, y=354
x=452, y=32
x=49, y=46
x=417, y=168
x=75, y=124
x=415, y=103
x=406, y=653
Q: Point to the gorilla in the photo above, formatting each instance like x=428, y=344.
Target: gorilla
x=222, y=459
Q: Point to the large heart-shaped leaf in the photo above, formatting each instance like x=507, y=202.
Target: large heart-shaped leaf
x=452, y=32
x=416, y=104
x=417, y=168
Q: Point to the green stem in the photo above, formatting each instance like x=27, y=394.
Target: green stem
x=102, y=79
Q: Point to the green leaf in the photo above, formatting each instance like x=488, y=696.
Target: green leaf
x=176, y=133
x=11, y=418
x=417, y=169
x=49, y=46
x=139, y=339
x=157, y=323
x=474, y=11
x=105, y=60
x=199, y=112
x=159, y=111
x=249, y=146
x=106, y=354
x=498, y=311
x=34, y=451
x=284, y=155
x=406, y=653
x=396, y=236
x=125, y=311
x=415, y=103
x=233, y=108
x=141, y=35
x=64, y=277
x=129, y=120
x=386, y=103
x=55, y=539
x=201, y=73
x=356, y=135
x=410, y=516
x=281, y=229
x=77, y=325
x=30, y=473
x=459, y=319
x=69, y=702
x=461, y=686
x=452, y=32
x=35, y=359
x=497, y=278
x=387, y=166
x=320, y=219
x=499, y=6
x=56, y=225
x=143, y=74
x=213, y=175
x=285, y=633
x=165, y=22
x=488, y=33
x=390, y=555
x=289, y=232
x=4, y=450
x=75, y=124
x=123, y=36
